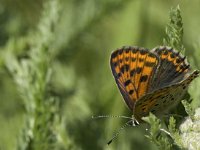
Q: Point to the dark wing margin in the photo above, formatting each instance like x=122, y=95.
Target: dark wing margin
x=118, y=68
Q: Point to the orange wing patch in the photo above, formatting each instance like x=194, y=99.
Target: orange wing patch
x=140, y=60
x=149, y=66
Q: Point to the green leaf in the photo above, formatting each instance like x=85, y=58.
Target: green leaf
x=174, y=30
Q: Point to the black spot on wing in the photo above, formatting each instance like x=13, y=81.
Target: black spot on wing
x=162, y=97
x=172, y=55
x=127, y=82
x=131, y=92
x=159, y=52
x=133, y=59
x=165, y=53
x=119, y=75
x=115, y=64
x=120, y=51
x=132, y=72
x=141, y=60
x=134, y=50
x=165, y=101
x=127, y=50
x=156, y=104
x=143, y=51
x=138, y=70
x=184, y=87
x=124, y=68
x=114, y=54
x=127, y=58
x=151, y=55
x=149, y=64
x=143, y=78
x=178, y=60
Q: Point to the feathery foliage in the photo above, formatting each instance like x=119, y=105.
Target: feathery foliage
x=174, y=30
x=155, y=133
x=55, y=75
x=32, y=75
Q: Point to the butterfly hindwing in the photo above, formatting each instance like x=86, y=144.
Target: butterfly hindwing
x=172, y=69
x=163, y=99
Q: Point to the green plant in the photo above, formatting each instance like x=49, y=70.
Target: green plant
x=32, y=75
x=173, y=137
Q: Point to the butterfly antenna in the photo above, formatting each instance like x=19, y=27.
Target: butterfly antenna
x=119, y=131
x=110, y=116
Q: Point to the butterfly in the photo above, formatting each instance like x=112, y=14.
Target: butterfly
x=151, y=80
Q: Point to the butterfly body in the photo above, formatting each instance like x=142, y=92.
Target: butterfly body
x=151, y=80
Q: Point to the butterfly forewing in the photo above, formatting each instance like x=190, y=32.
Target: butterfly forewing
x=133, y=68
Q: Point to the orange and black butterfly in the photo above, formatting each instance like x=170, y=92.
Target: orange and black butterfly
x=151, y=80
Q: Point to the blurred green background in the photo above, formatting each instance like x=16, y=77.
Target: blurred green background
x=85, y=34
